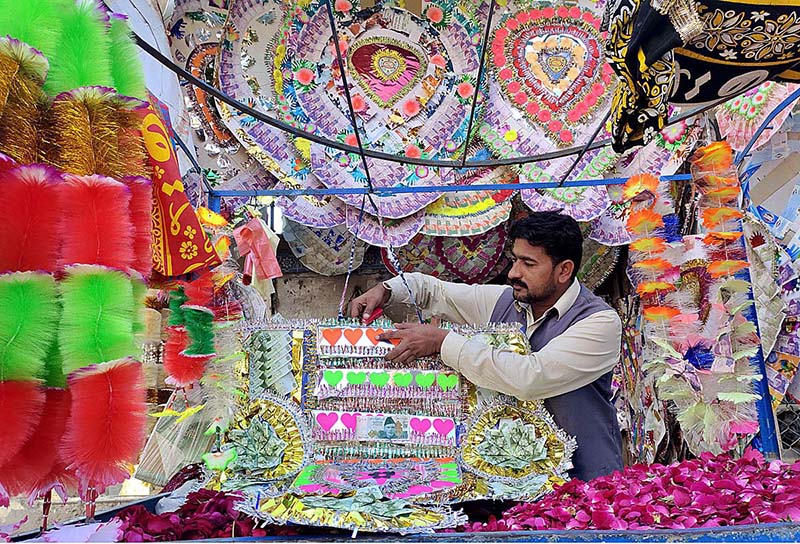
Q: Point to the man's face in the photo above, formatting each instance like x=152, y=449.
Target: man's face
x=533, y=276
x=388, y=429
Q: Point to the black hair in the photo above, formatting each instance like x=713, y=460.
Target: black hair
x=559, y=235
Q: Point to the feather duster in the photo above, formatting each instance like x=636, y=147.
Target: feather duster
x=106, y=427
x=6, y=163
x=53, y=366
x=96, y=225
x=97, y=317
x=22, y=70
x=36, y=458
x=141, y=208
x=30, y=209
x=200, y=292
x=35, y=22
x=139, y=291
x=184, y=370
x=83, y=133
x=126, y=69
x=176, y=300
x=200, y=326
x=23, y=403
x=28, y=323
x=83, y=51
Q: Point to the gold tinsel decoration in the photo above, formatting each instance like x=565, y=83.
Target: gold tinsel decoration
x=22, y=73
x=94, y=131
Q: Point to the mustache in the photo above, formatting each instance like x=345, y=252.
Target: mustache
x=518, y=283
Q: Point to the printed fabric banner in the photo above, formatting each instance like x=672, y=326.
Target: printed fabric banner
x=180, y=244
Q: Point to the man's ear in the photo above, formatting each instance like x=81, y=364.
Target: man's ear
x=565, y=272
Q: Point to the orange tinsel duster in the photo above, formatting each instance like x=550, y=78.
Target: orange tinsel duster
x=141, y=209
x=96, y=225
x=106, y=426
x=30, y=210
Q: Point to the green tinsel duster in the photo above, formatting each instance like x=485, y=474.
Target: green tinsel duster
x=200, y=326
x=83, y=52
x=177, y=298
x=126, y=69
x=97, y=318
x=35, y=22
x=27, y=324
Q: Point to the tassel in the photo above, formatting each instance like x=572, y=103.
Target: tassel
x=184, y=370
x=30, y=211
x=39, y=454
x=83, y=51
x=176, y=300
x=96, y=226
x=200, y=326
x=34, y=22
x=22, y=402
x=97, y=317
x=126, y=70
x=83, y=133
x=23, y=70
x=106, y=427
x=141, y=213
x=27, y=324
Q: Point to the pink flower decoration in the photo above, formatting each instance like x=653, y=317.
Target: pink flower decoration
x=359, y=104
x=465, y=89
x=434, y=14
x=351, y=140
x=514, y=87
x=413, y=152
x=439, y=61
x=411, y=107
x=343, y=6
x=304, y=76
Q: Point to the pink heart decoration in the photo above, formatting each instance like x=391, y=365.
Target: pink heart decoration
x=349, y=421
x=441, y=484
x=311, y=488
x=418, y=490
x=420, y=426
x=443, y=426
x=327, y=421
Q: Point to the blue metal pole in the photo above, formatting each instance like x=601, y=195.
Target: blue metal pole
x=766, y=124
x=214, y=201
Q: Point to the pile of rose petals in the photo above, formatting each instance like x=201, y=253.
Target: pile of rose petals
x=711, y=491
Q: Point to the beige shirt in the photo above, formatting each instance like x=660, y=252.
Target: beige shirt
x=584, y=352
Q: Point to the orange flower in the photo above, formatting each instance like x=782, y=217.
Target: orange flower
x=726, y=268
x=713, y=238
x=649, y=245
x=638, y=184
x=653, y=265
x=223, y=247
x=717, y=157
x=651, y=287
x=209, y=218
x=723, y=195
x=714, y=217
x=714, y=180
x=644, y=221
x=660, y=313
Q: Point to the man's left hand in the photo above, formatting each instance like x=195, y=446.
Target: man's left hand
x=416, y=340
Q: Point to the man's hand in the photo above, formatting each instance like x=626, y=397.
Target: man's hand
x=370, y=301
x=416, y=341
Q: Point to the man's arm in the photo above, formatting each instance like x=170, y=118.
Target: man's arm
x=583, y=353
x=453, y=302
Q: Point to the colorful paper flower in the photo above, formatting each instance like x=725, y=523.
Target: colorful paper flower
x=716, y=157
x=723, y=195
x=638, y=184
x=715, y=238
x=660, y=313
x=654, y=265
x=654, y=287
x=649, y=245
x=718, y=269
x=644, y=221
x=714, y=217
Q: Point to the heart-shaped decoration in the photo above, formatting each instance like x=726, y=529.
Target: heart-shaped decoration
x=356, y=378
x=443, y=426
x=332, y=377
x=373, y=334
x=386, y=68
x=379, y=379
x=403, y=379
x=549, y=63
x=420, y=426
x=425, y=380
x=327, y=420
x=331, y=336
x=349, y=421
x=353, y=335
x=447, y=381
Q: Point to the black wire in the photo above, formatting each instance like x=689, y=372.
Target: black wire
x=512, y=161
x=484, y=47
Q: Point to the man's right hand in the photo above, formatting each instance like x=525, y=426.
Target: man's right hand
x=363, y=306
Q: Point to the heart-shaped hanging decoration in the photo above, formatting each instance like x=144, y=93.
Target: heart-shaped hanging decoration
x=385, y=68
x=549, y=63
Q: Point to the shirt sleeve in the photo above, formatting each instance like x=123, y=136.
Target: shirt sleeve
x=454, y=302
x=579, y=356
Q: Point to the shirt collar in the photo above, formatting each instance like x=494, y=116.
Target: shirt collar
x=561, y=306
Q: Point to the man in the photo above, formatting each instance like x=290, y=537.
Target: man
x=574, y=335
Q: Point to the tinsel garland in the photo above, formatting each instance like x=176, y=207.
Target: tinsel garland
x=22, y=73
